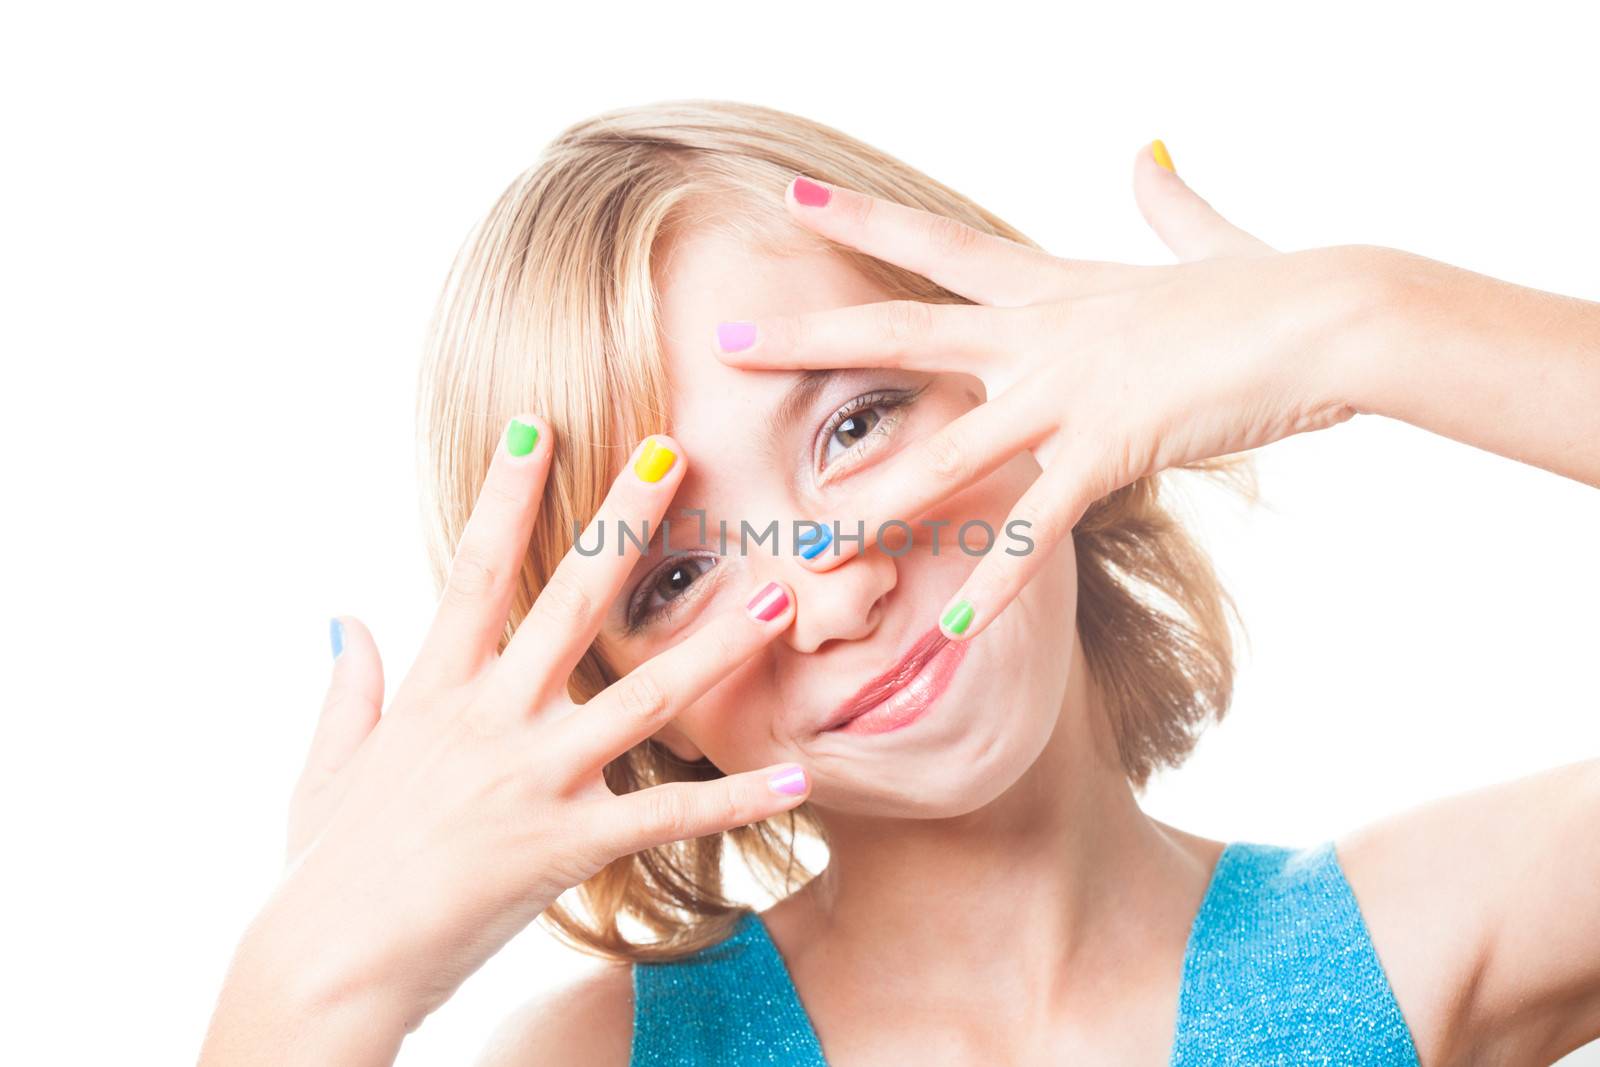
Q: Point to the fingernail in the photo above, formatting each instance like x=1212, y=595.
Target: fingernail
x=809, y=194
x=958, y=617
x=812, y=542
x=521, y=437
x=769, y=603
x=735, y=336
x=1163, y=157
x=336, y=636
x=789, y=781
x=654, y=462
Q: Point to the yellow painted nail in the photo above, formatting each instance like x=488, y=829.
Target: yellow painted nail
x=654, y=462
x=1163, y=157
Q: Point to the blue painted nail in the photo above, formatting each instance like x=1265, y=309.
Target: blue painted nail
x=336, y=636
x=812, y=542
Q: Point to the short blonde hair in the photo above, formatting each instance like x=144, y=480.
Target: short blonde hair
x=552, y=307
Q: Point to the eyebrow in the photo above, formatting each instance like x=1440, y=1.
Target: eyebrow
x=802, y=393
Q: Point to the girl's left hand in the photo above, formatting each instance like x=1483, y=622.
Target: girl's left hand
x=1107, y=372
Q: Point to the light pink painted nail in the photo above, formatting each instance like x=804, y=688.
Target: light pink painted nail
x=790, y=781
x=809, y=194
x=769, y=603
x=735, y=336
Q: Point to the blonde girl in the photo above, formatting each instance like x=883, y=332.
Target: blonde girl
x=976, y=633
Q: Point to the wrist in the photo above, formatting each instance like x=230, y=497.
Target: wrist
x=288, y=1001
x=1381, y=294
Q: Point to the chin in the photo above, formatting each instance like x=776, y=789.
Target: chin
x=977, y=740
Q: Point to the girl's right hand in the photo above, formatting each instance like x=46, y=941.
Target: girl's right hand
x=422, y=841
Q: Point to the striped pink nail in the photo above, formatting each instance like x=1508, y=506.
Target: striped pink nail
x=769, y=603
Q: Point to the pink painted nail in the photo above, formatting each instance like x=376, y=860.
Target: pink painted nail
x=769, y=603
x=790, y=781
x=809, y=193
x=735, y=336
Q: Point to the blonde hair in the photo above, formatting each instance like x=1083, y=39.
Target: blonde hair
x=551, y=307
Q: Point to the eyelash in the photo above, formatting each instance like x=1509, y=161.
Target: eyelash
x=639, y=616
x=888, y=399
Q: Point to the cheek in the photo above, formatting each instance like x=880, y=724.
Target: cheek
x=732, y=723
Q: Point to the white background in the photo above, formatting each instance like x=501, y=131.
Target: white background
x=223, y=232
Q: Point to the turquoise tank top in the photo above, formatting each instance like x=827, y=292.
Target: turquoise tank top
x=1279, y=969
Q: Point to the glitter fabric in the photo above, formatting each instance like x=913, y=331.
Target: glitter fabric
x=730, y=1004
x=1279, y=969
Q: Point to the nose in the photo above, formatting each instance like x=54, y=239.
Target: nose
x=842, y=604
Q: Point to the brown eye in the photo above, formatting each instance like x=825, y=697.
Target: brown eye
x=851, y=431
x=676, y=578
x=655, y=595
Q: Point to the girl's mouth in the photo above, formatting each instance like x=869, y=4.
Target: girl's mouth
x=904, y=693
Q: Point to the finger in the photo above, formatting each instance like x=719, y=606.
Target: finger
x=1041, y=520
x=909, y=334
x=471, y=617
x=1186, y=224
x=927, y=471
x=570, y=608
x=678, y=811
x=637, y=705
x=982, y=267
x=353, y=703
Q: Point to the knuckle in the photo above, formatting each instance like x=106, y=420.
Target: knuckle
x=951, y=235
x=642, y=698
x=906, y=321
x=564, y=595
x=945, y=459
x=732, y=810
x=471, y=575
x=860, y=211
x=671, y=813
x=1042, y=521
x=503, y=494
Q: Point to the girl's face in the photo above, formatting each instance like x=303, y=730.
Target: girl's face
x=756, y=455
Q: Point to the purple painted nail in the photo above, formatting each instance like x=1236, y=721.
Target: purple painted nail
x=789, y=781
x=735, y=336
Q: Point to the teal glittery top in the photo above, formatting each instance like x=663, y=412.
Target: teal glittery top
x=1279, y=969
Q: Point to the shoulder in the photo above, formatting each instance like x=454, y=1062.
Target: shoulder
x=1467, y=896
x=587, y=1021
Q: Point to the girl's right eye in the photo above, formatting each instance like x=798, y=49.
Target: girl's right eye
x=662, y=590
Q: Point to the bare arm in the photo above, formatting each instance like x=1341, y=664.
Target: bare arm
x=1484, y=910
x=1511, y=370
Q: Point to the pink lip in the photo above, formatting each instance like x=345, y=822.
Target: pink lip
x=905, y=692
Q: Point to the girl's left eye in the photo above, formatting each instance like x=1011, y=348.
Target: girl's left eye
x=849, y=428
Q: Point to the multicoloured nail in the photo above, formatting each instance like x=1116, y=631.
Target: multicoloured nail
x=958, y=617
x=809, y=194
x=812, y=542
x=654, y=461
x=521, y=437
x=1163, y=157
x=735, y=336
x=790, y=780
x=769, y=603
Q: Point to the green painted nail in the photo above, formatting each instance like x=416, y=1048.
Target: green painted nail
x=958, y=618
x=521, y=437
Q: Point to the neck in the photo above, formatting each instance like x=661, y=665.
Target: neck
x=1041, y=890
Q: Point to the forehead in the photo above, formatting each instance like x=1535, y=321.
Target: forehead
x=708, y=277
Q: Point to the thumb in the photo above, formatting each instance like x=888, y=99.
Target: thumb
x=353, y=703
x=1186, y=224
